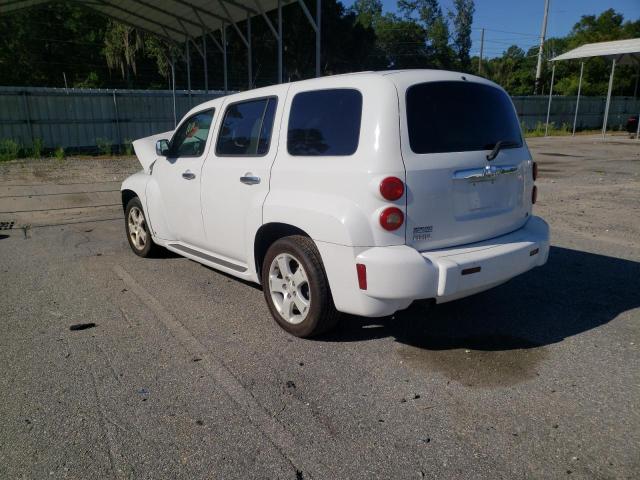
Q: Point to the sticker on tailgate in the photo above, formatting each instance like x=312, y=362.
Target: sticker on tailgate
x=422, y=233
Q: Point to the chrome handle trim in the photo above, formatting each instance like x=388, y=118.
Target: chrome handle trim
x=490, y=172
x=250, y=180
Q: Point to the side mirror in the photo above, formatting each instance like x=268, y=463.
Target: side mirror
x=162, y=147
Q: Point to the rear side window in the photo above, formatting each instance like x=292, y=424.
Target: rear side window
x=246, y=128
x=325, y=122
x=460, y=117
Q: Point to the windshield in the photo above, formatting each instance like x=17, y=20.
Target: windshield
x=460, y=117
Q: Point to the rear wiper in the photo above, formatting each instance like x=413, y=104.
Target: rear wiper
x=500, y=144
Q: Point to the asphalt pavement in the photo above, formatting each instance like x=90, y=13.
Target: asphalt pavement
x=174, y=370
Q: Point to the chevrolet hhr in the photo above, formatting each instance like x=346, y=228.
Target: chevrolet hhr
x=357, y=193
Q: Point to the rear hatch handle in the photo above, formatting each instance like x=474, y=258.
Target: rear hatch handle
x=489, y=172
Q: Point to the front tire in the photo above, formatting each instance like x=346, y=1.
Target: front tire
x=296, y=288
x=137, y=228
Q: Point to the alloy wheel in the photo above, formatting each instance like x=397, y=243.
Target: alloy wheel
x=289, y=288
x=137, y=228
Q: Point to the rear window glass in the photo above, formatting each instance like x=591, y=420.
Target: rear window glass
x=325, y=122
x=460, y=117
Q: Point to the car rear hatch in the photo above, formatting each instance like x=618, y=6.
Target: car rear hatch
x=455, y=194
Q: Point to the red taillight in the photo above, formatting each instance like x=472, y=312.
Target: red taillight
x=534, y=171
x=361, y=268
x=391, y=188
x=391, y=218
x=534, y=194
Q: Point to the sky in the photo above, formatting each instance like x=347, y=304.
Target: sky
x=509, y=22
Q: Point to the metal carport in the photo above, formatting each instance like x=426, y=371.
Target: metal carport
x=188, y=22
x=621, y=52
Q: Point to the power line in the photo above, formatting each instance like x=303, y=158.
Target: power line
x=505, y=31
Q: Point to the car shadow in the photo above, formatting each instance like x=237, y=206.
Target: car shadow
x=574, y=292
x=509, y=326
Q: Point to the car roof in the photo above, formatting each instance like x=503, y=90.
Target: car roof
x=401, y=79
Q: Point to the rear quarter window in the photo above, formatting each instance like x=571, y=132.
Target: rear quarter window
x=325, y=123
x=459, y=116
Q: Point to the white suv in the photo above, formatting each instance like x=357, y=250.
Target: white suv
x=355, y=193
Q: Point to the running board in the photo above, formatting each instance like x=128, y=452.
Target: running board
x=208, y=258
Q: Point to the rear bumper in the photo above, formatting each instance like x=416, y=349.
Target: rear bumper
x=467, y=270
x=398, y=275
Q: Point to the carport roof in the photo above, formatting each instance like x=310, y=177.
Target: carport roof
x=623, y=51
x=177, y=20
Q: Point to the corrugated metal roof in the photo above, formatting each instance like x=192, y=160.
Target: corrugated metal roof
x=172, y=19
x=624, y=51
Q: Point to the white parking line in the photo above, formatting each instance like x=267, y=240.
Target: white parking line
x=292, y=450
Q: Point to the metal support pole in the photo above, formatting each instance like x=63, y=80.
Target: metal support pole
x=315, y=24
x=188, y=60
x=543, y=34
x=224, y=56
x=249, y=56
x=606, y=108
x=635, y=90
x=173, y=89
x=27, y=110
x=575, y=116
x=280, y=72
x=553, y=74
x=118, y=136
x=206, y=66
x=318, y=34
x=638, y=128
x=481, y=52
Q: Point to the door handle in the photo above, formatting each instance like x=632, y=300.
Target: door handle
x=249, y=179
x=188, y=175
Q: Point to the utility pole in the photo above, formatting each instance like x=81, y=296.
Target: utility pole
x=481, y=52
x=543, y=34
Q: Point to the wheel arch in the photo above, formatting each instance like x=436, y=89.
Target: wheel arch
x=266, y=236
x=127, y=195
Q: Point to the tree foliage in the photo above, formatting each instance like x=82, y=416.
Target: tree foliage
x=462, y=20
x=515, y=69
x=122, y=45
x=58, y=40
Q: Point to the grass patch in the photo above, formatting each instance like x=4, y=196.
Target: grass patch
x=553, y=130
x=9, y=149
x=59, y=153
x=104, y=146
x=128, y=147
x=38, y=147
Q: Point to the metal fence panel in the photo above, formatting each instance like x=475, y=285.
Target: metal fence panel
x=84, y=118
x=533, y=110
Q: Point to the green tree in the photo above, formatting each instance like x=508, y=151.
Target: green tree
x=428, y=14
x=462, y=20
x=122, y=45
x=367, y=12
x=399, y=43
x=41, y=45
x=162, y=52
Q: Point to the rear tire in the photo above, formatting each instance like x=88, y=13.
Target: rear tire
x=137, y=228
x=296, y=288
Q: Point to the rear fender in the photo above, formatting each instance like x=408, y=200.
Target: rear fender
x=326, y=218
